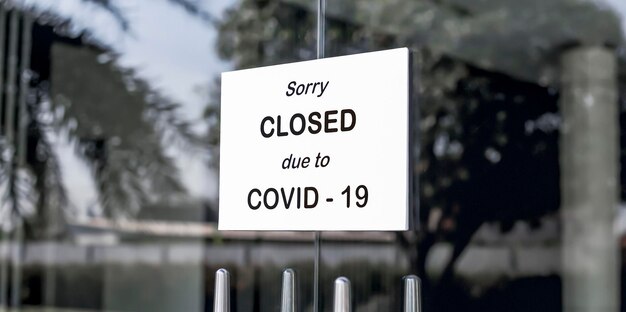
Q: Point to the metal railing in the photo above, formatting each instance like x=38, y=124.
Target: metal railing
x=342, y=301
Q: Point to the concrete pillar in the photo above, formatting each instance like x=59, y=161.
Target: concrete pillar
x=589, y=148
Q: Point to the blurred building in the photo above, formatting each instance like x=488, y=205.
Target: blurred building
x=507, y=196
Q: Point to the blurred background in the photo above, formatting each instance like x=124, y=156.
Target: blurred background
x=109, y=153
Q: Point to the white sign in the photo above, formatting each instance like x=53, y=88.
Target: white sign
x=317, y=146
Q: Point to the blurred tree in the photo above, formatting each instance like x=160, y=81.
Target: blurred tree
x=194, y=7
x=119, y=125
x=488, y=149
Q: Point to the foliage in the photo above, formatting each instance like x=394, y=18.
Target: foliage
x=128, y=152
x=487, y=142
x=119, y=126
x=192, y=6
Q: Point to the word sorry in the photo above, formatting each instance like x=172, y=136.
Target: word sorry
x=304, y=88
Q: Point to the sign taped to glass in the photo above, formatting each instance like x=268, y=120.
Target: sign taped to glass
x=318, y=145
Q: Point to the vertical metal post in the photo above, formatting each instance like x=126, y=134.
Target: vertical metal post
x=316, y=272
x=412, y=294
x=342, y=301
x=3, y=15
x=288, y=299
x=11, y=88
x=4, y=270
x=4, y=240
x=16, y=277
x=321, y=28
x=24, y=80
x=9, y=118
x=589, y=149
x=221, y=298
x=20, y=146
